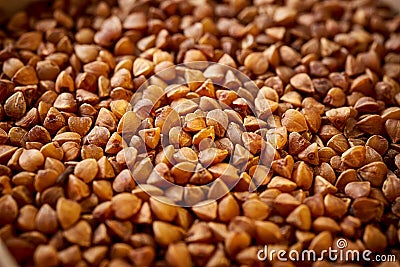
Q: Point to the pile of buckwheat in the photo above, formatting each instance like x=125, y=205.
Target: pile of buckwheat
x=303, y=153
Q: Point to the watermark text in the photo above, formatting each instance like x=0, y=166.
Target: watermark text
x=340, y=254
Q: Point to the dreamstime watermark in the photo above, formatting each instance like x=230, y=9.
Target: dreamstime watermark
x=341, y=254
